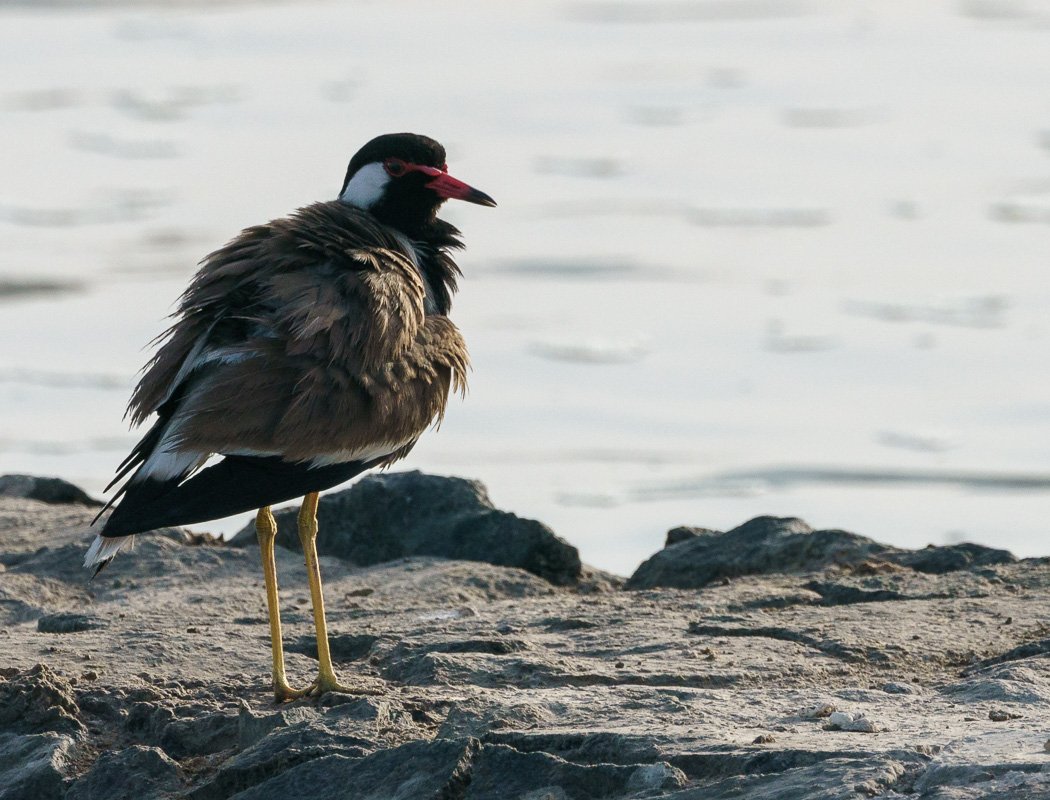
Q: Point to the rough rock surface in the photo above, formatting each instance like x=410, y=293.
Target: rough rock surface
x=696, y=557
x=46, y=490
x=388, y=516
x=494, y=683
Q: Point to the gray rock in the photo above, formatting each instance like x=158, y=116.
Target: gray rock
x=34, y=767
x=660, y=776
x=784, y=545
x=603, y=747
x=625, y=696
x=252, y=727
x=46, y=490
x=762, y=545
x=835, y=593
x=211, y=733
x=437, y=769
x=830, y=779
x=685, y=532
x=503, y=772
x=281, y=750
x=135, y=773
x=940, y=778
x=69, y=623
x=38, y=700
x=390, y=516
x=951, y=558
x=204, y=734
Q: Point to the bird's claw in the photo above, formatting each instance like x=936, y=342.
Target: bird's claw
x=320, y=686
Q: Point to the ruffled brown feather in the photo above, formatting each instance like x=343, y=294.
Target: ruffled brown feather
x=304, y=337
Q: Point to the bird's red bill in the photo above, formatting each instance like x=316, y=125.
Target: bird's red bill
x=447, y=186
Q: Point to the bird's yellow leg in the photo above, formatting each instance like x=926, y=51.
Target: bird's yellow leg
x=266, y=528
x=326, y=680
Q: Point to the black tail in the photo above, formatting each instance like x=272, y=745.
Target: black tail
x=234, y=485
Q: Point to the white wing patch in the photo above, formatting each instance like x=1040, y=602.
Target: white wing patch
x=165, y=462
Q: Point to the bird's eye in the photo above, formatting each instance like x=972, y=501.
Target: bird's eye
x=395, y=167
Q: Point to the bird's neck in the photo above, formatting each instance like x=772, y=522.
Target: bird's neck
x=430, y=244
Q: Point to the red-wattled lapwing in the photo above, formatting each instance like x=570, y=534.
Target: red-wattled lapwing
x=305, y=351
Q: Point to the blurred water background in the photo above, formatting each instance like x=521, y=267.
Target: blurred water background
x=751, y=256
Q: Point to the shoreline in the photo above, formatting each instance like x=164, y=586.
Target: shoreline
x=878, y=676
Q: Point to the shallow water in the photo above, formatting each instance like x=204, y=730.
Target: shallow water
x=750, y=257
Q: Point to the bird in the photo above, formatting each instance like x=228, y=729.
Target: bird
x=303, y=352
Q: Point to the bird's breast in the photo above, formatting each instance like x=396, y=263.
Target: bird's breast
x=416, y=257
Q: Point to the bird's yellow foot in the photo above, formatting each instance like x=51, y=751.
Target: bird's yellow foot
x=322, y=684
x=282, y=692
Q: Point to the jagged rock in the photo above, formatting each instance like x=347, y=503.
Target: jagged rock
x=204, y=735
x=135, y=773
x=390, y=516
x=951, y=558
x=252, y=727
x=597, y=747
x=158, y=725
x=784, y=545
x=656, y=694
x=279, y=751
x=830, y=779
x=441, y=768
x=46, y=490
x=38, y=700
x=764, y=544
x=833, y=593
x=685, y=532
x=658, y=777
x=503, y=772
x=34, y=767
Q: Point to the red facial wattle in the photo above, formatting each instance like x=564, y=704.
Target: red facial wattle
x=441, y=183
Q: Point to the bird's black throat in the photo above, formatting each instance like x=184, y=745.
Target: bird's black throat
x=432, y=244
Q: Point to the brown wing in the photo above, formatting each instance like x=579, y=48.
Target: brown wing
x=257, y=275
x=297, y=341
x=291, y=399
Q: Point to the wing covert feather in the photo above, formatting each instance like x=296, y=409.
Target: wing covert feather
x=293, y=343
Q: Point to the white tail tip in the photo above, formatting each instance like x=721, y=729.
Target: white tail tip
x=103, y=549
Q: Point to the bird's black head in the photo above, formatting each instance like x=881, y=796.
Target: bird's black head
x=402, y=179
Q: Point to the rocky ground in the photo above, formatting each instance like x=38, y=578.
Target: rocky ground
x=772, y=661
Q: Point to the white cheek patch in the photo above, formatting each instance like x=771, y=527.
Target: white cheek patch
x=366, y=187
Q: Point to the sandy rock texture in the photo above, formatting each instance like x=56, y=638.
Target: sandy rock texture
x=830, y=667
